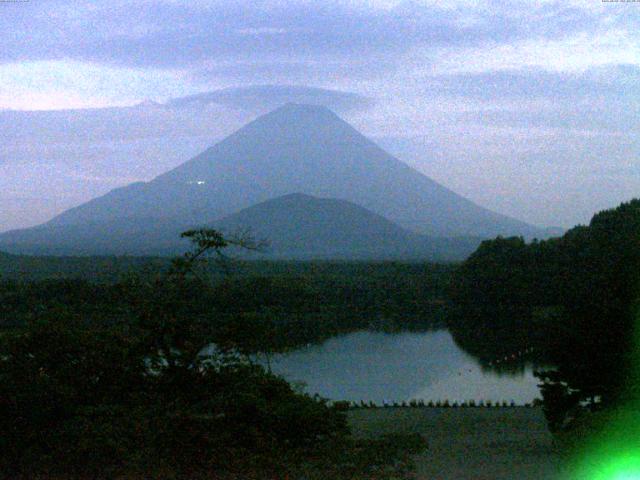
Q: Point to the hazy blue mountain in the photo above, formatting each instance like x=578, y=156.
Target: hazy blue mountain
x=124, y=236
x=297, y=148
x=56, y=159
x=301, y=226
x=297, y=226
x=53, y=160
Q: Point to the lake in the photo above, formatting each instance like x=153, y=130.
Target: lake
x=381, y=367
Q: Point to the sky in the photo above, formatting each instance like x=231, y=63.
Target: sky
x=528, y=108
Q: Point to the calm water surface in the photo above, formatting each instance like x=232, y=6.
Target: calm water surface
x=381, y=367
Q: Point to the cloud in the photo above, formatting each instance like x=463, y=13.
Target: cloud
x=186, y=34
x=602, y=100
x=267, y=97
x=356, y=45
x=569, y=53
x=611, y=81
x=48, y=85
x=262, y=31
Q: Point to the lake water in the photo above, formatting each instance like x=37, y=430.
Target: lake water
x=399, y=367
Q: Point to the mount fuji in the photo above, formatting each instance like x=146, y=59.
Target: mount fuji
x=296, y=148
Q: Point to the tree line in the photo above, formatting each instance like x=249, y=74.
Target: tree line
x=573, y=298
x=292, y=303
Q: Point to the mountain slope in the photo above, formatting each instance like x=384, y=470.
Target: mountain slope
x=296, y=226
x=301, y=226
x=123, y=236
x=298, y=148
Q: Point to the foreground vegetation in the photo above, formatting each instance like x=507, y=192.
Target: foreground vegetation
x=290, y=303
x=136, y=390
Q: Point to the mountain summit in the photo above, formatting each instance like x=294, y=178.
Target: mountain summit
x=296, y=148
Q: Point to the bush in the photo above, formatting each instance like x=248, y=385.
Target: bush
x=83, y=400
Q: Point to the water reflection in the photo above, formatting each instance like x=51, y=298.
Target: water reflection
x=399, y=367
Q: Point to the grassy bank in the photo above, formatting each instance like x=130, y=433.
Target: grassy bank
x=471, y=443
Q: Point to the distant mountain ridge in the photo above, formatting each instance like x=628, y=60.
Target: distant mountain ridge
x=296, y=148
x=296, y=226
x=306, y=227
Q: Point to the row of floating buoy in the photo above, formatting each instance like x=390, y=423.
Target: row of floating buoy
x=346, y=405
x=513, y=356
x=446, y=403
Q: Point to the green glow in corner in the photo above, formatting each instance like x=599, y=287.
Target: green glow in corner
x=627, y=476
x=626, y=468
x=612, y=450
x=615, y=452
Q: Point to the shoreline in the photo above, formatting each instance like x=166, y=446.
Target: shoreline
x=469, y=443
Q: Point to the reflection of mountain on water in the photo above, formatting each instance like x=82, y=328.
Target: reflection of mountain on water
x=397, y=367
